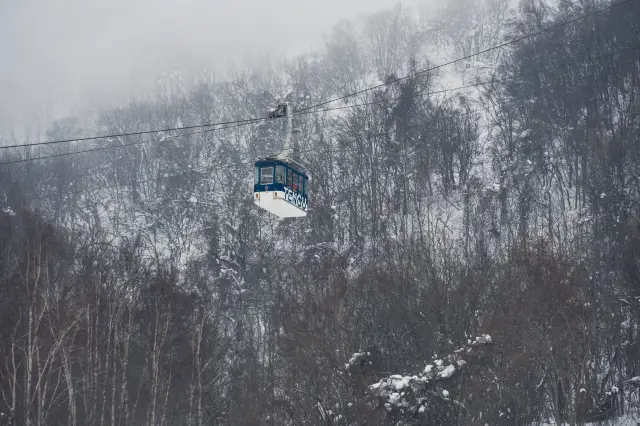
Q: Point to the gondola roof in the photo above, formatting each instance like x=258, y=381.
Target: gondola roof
x=289, y=162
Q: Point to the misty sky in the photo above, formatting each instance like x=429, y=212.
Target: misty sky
x=89, y=52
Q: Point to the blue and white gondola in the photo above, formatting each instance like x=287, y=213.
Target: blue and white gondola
x=281, y=187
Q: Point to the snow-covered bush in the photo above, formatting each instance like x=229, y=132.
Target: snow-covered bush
x=423, y=394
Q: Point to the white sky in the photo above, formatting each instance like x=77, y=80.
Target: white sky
x=72, y=53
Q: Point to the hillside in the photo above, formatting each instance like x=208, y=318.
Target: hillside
x=470, y=256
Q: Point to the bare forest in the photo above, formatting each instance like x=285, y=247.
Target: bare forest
x=471, y=255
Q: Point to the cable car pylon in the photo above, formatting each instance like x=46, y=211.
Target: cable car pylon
x=281, y=183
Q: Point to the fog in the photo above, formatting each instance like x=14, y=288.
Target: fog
x=69, y=55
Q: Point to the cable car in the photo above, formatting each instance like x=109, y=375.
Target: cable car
x=281, y=187
x=281, y=183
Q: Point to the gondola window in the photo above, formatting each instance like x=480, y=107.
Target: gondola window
x=280, y=174
x=266, y=176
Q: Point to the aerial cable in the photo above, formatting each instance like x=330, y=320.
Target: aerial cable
x=143, y=132
x=593, y=59
x=364, y=104
x=500, y=46
x=253, y=120
x=103, y=148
